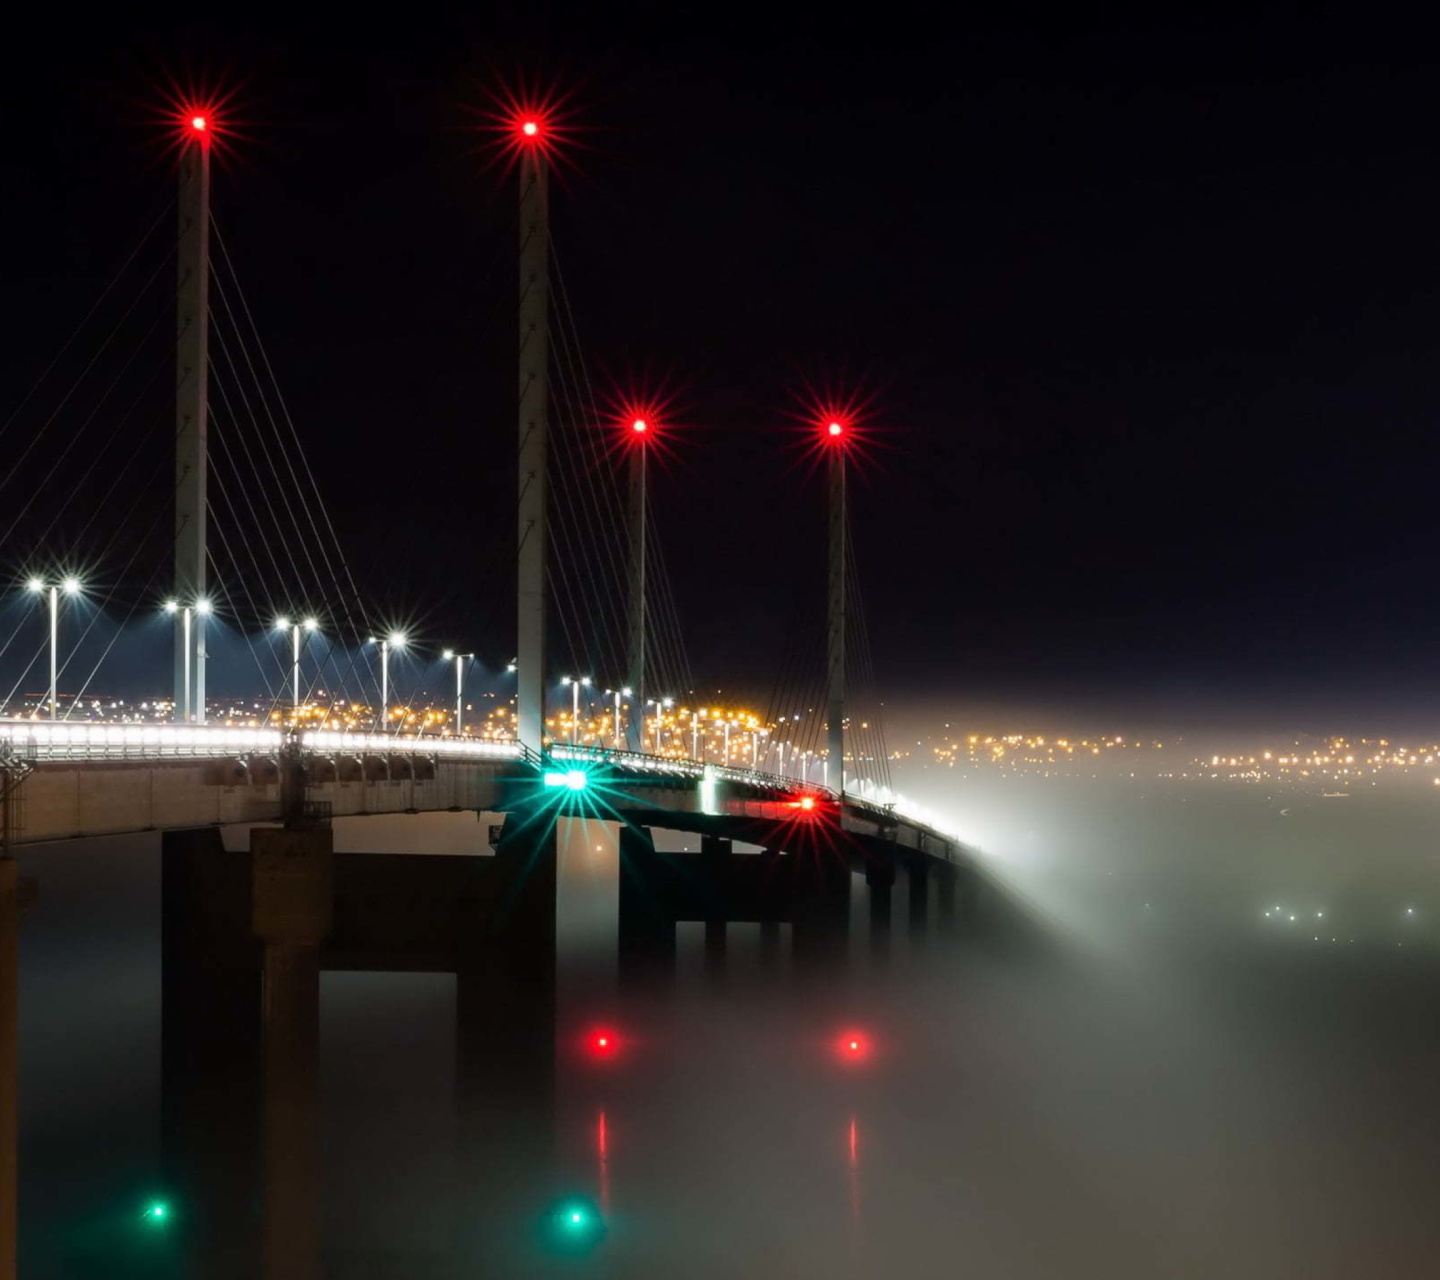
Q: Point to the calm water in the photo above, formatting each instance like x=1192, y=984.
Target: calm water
x=1157, y=1079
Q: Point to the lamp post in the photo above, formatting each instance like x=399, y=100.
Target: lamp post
x=295, y=629
x=184, y=711
x=694, y=735
x=395, y=640
x=460, y=659
x=575, y=704
x=619, y=693
x=660, y=704
x=71, y=587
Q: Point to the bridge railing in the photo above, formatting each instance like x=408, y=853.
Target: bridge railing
x=46, y=740
x=51, y=741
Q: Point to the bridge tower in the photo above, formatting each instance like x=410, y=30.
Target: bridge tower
x=640, y=427
x=192, y=377
x=837, y=431
x=531, y=143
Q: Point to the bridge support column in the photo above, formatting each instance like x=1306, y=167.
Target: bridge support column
x=505, y=1039
x=880, y=879
x=293, y=906
x=9, y=1065
x=769, y=946
x=918, y=875
x=715, y=854
x=715, y=934
x=647, y=926
x=210, y=1054
x=820, y=912
x=946, y=877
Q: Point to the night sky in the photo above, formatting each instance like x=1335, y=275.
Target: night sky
x=1144, y=307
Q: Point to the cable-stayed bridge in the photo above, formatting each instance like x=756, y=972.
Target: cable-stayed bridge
x=214, y=508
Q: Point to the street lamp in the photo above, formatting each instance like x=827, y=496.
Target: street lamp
x=460, y=684
x=395, y=640
x=659, y=704
x=186, y=612
x=71, y=587
x=619, y=693
x=575, y=703
x=295, y=629
x=694, y=735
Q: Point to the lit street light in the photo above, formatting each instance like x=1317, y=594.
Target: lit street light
x=619, y=693
x=460, y=659
x=395, y=640
x=71, y=587
x=186, y=611
x=295, y=629
x=659, y=704
x=575, y=704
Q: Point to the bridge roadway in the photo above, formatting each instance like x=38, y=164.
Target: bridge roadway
x=115, y=779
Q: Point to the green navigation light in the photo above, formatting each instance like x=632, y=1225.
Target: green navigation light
x=570, y=779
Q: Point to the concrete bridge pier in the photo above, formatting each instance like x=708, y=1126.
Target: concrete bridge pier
x=9, y=1064
x=820, y=912
x=946, y=878
x=505, y=1025
x=293, y=911
x=880, y=880
x=769, y=946
x=917, y=873
x=210, y=1053
x=715, y=853
x=646, y=927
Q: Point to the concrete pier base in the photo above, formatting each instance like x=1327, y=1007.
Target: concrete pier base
x=880, y=880
x=917, y=873
x=210, y=1055
x=9, y=1065
x=647, y=927
x=293, y=912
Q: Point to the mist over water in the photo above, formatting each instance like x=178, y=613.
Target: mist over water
x=1123, y=1066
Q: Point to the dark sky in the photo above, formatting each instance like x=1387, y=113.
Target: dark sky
x=1145, y=306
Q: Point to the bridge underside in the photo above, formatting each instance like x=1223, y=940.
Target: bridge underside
x=247, y=934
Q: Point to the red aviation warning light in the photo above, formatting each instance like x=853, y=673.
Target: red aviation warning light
x=835, y=429
x=853, y=1046
x=529, y=126
x=198, y=124
x=640, y=426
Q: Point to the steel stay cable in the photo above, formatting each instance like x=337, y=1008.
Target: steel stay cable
x=39, y=434
x=295, y=579
x=95, y=306
x=39, y=489
x=260, y=389
x=304, y=459
x=572, y=509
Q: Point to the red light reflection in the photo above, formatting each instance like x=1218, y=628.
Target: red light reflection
x=603, y=1042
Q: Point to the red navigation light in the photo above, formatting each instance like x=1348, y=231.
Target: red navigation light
x=199, y=123
x=529, y=128
x=640, y=420
x=853, y=1046
x=835, y=429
